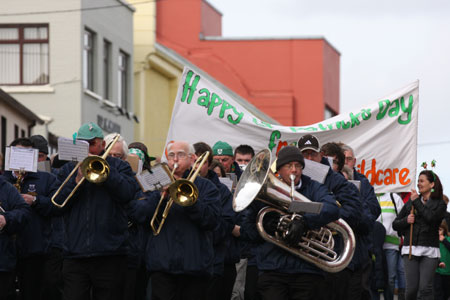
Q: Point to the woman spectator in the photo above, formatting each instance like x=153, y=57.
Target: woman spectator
x=422, y=214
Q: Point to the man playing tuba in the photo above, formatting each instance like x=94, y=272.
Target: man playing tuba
x=284, y=275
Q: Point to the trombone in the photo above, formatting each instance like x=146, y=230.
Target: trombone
x=94, y=168
x=182, y=191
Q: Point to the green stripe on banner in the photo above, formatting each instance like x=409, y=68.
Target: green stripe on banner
x=388, y=210
x=392, y=240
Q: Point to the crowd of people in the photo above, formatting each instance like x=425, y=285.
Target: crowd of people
x=93, y=240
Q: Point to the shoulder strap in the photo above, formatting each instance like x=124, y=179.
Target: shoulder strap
x=395, y=205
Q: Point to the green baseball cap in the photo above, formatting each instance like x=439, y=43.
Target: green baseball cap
x=222, y=148
x=89, y=131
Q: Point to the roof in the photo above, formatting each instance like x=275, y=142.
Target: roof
x=10, y=101
x=267, y=38
x=244, y=103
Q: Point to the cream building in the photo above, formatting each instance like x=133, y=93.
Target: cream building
x=70, y=61
x=157, y=70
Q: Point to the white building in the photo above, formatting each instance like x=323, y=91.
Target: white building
x=70, y=62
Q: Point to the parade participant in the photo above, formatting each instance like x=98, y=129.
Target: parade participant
x=119, y=149
x=218, y=168
x=442, y=276
x=368, y=195
x=180, y=258
x=343, y=281
x=391, y=204
x=223, y=152
x=33, y=241
x=53, y=284
x=243, y=154
x=96, y=225
x=284, y=275
x=40, y=143
x=14, y=215
x=420, y=218
x=226, y=252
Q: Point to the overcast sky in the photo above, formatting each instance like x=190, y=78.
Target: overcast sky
x=384, y=45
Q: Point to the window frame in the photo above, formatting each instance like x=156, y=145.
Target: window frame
x=123, y=76
x=21, y=41
x=107, y=52
x=89, y=60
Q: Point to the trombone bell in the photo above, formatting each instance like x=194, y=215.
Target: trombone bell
x=95, y=169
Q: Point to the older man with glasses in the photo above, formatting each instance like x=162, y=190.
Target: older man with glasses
x=180, y=258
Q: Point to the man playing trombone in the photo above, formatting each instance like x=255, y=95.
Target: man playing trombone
x=95, y=224
x=180, y=257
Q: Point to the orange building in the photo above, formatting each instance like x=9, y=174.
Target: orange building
x=293, y=80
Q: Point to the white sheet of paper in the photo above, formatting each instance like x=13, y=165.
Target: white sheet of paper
x=156, y=180
x=357, y=183
x=227, y=181
x=68, y=151
x=24, y=159
x=315, y=170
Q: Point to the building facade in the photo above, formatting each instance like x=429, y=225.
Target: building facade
x=71, y=62
x=294, y=80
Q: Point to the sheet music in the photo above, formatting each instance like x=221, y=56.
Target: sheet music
x=315, y=170
x=227, y=181
x=25, y=159
x=357, y=183
x=156, y=180
x=72, y=152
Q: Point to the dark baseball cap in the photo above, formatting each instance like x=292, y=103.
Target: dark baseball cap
x=308, y=142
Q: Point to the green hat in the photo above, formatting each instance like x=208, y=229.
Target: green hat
x=222, y=148
x=89, y=131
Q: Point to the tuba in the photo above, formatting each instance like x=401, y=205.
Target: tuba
x=317, y=246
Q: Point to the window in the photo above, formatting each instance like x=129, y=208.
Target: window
x=123, y=80
x=16, y=131
x=24, y=54
x=88, y=59
x=106, y=68
x=4, y=131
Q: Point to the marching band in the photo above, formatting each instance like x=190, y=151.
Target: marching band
x=82, y=231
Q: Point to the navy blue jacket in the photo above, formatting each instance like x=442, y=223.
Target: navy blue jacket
x=95, y=221
x=224, y=242
x=34, y=238
x=371, y=211
x=273, y=258
x=346, y=194
x=17, y=214
x=185, y=243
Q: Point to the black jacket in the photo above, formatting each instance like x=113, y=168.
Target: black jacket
x=428, y=217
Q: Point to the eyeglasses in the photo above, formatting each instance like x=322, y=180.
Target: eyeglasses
x=349, y=158
x=292, y=166
x=179, y=155
x=310, y=153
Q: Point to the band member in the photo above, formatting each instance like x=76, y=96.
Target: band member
x=53, y=283
x=223, y=152
x=180, y=258
x=226, y=251
x=284, y=275
x=243, y=154
x=14, y=214
x=96, y=225
x=34, y=239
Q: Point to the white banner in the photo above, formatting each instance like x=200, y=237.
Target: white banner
x=383, y=134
